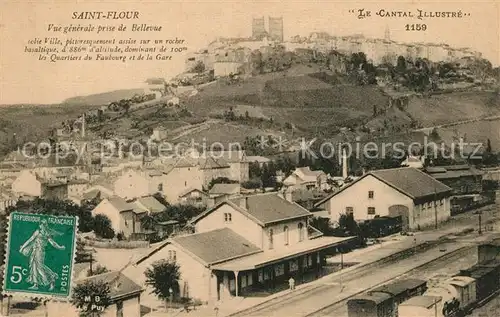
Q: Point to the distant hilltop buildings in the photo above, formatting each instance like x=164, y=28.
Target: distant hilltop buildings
x=228, y=55
x=275, y=30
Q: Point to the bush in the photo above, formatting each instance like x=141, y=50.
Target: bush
x=102, y=227
x=120, y=236
x=252, y=184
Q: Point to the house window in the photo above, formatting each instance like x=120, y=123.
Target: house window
x=119, y=309
x=293, y=265
x=349, y=210
x=370, y=194
x=285, y=233
x=249, y=279
x=185, y=183
x=172, y=255
x=227, y=217
x=160, y=187
x=271, y=238
x=300, y=226
x=261, y=276
x=279, y=269
x=371, y=210
x=441, y=202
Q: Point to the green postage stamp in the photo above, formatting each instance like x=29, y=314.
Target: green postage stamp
x=40, y=254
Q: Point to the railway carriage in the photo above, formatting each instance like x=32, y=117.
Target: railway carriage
x=383, y=301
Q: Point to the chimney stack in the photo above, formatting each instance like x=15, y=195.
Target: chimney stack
x=344, y=164
x=244, y=202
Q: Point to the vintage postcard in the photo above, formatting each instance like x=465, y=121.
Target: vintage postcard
x=249, y=158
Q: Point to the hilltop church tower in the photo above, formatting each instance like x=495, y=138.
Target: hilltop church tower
x=276, y=29
x=258, y=28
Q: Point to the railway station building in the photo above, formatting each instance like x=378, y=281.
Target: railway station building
x=246, y=245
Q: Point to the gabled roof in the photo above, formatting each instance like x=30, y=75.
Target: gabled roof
x=119, y=285
x=225, y=189
x=150, y=203
x=120, y=204
x=263, y=209
x=212, y=162
x=216, y=246
x=190, y=190
x=407, y=180
x=92, y=194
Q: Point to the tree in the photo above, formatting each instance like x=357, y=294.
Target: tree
x=98, y=293
x=401, y=64
x=82, y=255
x=221, y=180
x=103, y=228
x=199, y=67
x=254, y=170
x=435, y=135
x=97, y=270
x=181, y=213
x=57, y=208
x=163, y=276
x=489, y=158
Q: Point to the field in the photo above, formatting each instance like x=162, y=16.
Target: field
x=445, y=108
x=32, y=123
x=313, y=102
x=474, y=132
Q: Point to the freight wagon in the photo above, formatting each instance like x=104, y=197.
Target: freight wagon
x=487, y=276
x=456, y=296
x=383, y=301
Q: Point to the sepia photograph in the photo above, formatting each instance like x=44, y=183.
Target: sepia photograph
x=235, y=158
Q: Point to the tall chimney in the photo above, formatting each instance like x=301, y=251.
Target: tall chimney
x=344, y=164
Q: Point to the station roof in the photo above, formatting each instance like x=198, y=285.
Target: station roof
x=262, y=259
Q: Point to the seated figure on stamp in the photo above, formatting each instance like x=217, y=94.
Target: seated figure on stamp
x=34, y=248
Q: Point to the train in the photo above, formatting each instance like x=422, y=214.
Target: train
x=441, y=296
x=383, y=301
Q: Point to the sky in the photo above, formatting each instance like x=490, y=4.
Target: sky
x=25, y=79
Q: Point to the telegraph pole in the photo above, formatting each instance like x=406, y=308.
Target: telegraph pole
x=435, y=208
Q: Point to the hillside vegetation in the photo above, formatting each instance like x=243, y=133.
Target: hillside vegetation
x=103, y=98
x=452, y=107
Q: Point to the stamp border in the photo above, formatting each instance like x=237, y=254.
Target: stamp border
x=32, y=296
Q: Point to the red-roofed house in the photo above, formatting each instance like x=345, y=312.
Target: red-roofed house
x=243, y=245
x=418, y=198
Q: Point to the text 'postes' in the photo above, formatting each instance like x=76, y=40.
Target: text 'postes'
x=109, y=15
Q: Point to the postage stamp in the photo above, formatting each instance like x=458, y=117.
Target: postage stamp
x=40, y=254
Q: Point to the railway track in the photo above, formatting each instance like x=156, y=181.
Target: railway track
x=418, y=272
x=355, y=273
